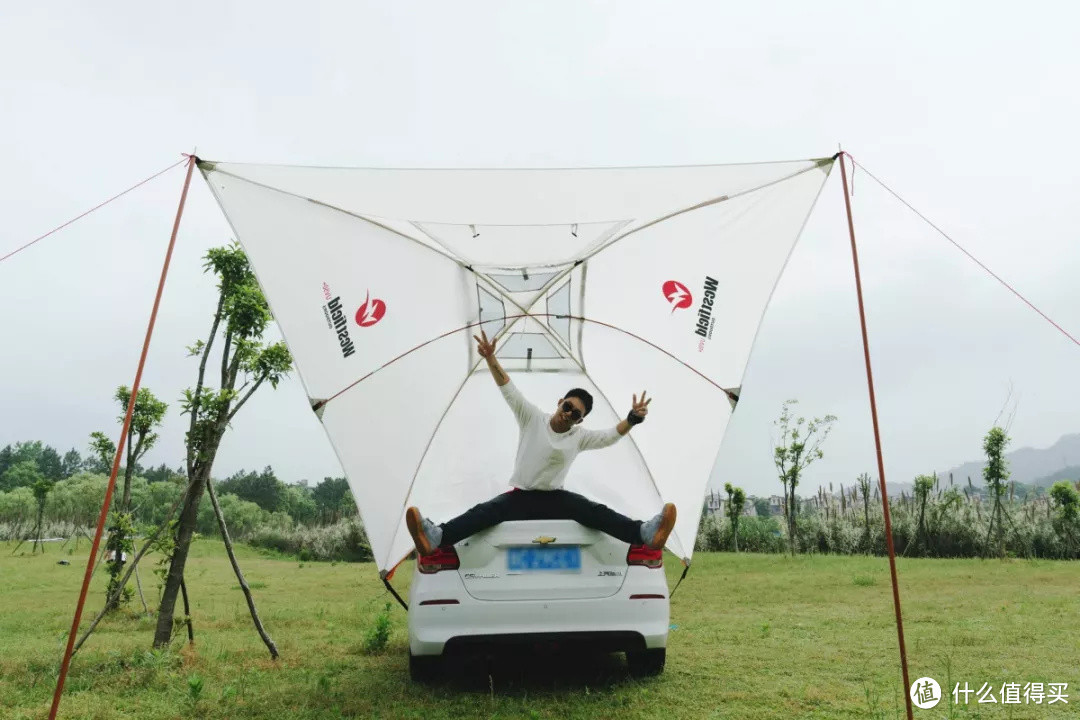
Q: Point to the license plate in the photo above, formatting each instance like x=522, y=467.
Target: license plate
x=531, y=559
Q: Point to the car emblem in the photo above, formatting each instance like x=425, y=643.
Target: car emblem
x=544, y=540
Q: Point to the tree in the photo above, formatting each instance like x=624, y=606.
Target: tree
x=102, y=454
x=864, y=489
x=27, y=475
x=71, y=463
x=162, y=473
x=148, y=413
x=16, y=507
x=923, y=485
x=21, y=452
x=761, y=507
x=300, y=505
x=996, y=473
x=7, y=459
x=29, y=451
x=1067, y=501
x=797, y=449
x=50, y=464
x=41, y=488
x=334, y=499
x=736, y=500
x=242, y=316
x=263, y=489
x=23, y=474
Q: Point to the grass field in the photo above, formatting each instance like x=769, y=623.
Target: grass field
x=754, y=636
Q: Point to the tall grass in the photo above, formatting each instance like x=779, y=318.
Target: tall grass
x=954, y=525
x=345, y=541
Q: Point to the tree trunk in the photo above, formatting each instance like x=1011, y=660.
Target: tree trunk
x=791, y=517
x=138, y=584
x=239, y=575
x=127, y=575
x=125, y=499
x=185, y=529
x=187, y=613
x=1000, y=533
x=920, y=531
x=37, y=530
x=735, y=534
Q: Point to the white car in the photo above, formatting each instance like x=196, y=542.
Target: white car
x=528, y=582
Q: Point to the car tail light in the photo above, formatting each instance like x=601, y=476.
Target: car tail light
x=643, y=555
x=647, y=596
x=439, y=602
x=444, y=558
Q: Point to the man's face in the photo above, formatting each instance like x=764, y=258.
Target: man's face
x=569, y=412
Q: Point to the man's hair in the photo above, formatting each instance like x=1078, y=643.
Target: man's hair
x=583, y=396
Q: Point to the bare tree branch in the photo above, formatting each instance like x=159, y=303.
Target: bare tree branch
x=245, y=398
x=225, y=356
x=239, y=575
x=1006, y=403
x=127, y=575
x=199, y=384
x=187, y=613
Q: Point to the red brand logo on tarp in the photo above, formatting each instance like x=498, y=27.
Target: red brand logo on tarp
x=677, y=294
x=370, y=312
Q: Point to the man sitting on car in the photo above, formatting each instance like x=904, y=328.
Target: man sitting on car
x=547, y=446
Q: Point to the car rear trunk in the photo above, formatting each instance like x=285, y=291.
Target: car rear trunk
x=541, y=560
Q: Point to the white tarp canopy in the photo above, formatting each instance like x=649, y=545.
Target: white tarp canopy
x=616, y=280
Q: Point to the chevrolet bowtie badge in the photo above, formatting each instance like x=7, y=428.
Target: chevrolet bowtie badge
x=544, y=540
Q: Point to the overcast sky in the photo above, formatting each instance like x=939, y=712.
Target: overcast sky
x=967, y=109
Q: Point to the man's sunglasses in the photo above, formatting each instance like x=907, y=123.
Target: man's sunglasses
x=568, y=407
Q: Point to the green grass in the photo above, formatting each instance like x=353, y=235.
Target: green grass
x=756, y=636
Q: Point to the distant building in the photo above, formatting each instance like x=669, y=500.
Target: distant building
x=715, y=502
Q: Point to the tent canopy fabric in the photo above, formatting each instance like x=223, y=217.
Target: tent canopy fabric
x=616, y=280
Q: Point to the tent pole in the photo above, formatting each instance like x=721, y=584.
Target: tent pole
x=120, y=448
x=877, y=442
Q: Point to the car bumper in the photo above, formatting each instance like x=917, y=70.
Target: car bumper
x=611, y=623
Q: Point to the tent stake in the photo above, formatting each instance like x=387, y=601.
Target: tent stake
x=877, y=442
x=120, y=447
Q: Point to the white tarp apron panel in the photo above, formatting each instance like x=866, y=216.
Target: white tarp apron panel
x=614, y=280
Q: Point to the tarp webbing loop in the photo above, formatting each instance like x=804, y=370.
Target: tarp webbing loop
x=386, y=582
x=686, y=569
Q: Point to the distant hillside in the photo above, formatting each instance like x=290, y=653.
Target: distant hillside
x=1029, y=465
x=1069, y=473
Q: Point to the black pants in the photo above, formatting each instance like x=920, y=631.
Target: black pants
x=541, y=505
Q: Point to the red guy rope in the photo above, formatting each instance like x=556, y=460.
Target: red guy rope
x=959, y=247
x=96, y=207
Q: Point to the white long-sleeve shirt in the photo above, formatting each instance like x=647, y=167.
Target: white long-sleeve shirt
x=543, y=455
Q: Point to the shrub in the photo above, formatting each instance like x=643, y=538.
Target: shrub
x=344, y=540
x=379, y=633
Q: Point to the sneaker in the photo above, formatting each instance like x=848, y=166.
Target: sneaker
x=426, y=535
x=654, y=532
